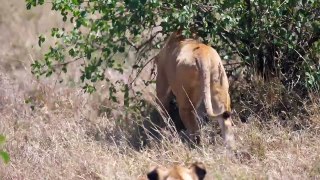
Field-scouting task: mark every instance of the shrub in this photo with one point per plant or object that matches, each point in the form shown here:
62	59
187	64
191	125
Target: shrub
273	38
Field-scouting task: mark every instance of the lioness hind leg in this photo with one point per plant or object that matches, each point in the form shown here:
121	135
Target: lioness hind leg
163	92
190	122
188	117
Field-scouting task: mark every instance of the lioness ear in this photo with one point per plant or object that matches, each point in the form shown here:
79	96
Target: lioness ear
153	175
158	173
199	169
226	114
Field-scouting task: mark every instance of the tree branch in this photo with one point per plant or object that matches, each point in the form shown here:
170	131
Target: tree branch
148	41
139	72
138	48
66	63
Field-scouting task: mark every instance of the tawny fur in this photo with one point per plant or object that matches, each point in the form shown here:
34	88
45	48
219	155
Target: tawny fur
194	73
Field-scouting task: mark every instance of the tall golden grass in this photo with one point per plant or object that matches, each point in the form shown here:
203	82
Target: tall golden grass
63	133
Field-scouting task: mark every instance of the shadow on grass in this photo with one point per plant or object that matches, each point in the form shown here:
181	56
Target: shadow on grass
151	129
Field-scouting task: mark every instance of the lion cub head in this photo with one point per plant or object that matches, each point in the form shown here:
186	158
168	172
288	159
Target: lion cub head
196	171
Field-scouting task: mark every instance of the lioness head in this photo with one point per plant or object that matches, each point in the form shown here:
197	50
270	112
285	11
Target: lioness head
196	171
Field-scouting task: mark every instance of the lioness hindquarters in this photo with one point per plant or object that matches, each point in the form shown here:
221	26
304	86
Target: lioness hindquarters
194	73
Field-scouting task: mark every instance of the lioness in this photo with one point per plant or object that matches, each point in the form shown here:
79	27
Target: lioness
196	171
194	73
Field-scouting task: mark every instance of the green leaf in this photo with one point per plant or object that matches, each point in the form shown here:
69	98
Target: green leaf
64	69
89	88
121	49
27	101
40	2
72	52
143	1
41	40
31	3
5	157
133	4
49	73
76	2
2	139
28	5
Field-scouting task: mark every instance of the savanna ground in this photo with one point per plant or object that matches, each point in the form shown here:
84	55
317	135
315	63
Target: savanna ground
56	131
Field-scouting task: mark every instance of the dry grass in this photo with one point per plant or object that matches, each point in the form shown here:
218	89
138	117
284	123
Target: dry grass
60	133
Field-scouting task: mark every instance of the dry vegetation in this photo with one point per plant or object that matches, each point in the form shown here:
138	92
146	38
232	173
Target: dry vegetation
62	134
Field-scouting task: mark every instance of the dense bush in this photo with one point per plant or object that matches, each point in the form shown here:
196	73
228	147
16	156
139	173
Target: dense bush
273	38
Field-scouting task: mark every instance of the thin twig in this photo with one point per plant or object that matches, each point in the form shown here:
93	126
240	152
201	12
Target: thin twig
130	84
66	63
148	41
230	64
138	48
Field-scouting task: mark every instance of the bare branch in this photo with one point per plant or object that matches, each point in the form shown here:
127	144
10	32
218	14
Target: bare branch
205	8
131	44
148	41
139	72
234	63
66	63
